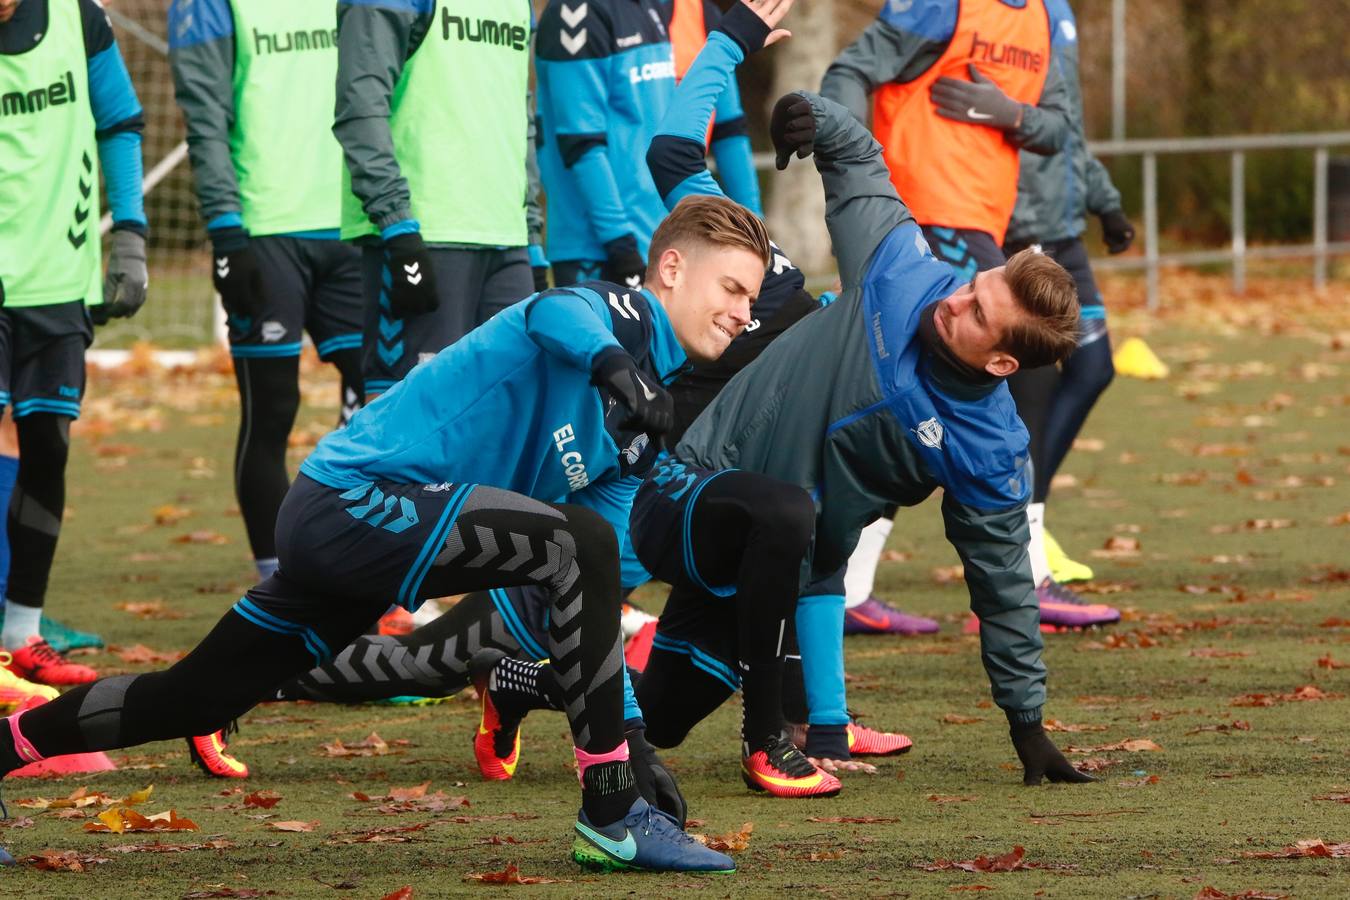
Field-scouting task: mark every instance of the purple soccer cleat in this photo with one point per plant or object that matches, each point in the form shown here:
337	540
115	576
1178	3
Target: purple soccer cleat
875	617
1062	608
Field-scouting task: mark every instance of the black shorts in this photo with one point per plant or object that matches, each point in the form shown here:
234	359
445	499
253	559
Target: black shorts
473	284
1073	256
965	249
42	358
661	523
308	285
575	271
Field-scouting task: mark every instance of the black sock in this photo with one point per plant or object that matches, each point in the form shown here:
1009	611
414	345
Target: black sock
37	505
608	791
795	709
519	685
269	398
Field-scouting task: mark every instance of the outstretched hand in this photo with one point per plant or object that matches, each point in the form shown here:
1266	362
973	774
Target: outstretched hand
752	23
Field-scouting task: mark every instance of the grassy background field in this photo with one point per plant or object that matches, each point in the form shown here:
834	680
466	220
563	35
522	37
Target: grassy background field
1224	487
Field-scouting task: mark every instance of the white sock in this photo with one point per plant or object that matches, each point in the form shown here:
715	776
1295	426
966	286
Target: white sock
1040	568
266	567
21	623
862	565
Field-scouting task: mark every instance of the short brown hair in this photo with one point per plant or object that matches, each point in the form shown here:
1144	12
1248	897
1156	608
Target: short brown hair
1041	287
710	221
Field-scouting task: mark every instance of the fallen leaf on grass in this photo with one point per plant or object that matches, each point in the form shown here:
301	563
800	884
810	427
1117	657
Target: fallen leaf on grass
149	609
157	847
63	860
496	817
509	875
1140	782
957	719
1216	653
1302	850
202	537
1326	662
824	855
393	834
948	574
1224	727
1307	692
412	799
1106	587
498	840
21	822
82	797
292	825
121	820
373	745
222	891
168	514
853	820
1213	893
1085	815
1118	547
731	842
1008	862
1335	798
950	798
262	799
1134	745
403	893
1057	725
140	654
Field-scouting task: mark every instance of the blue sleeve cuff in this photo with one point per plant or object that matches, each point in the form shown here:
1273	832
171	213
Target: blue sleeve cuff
225	220
403	226
537	257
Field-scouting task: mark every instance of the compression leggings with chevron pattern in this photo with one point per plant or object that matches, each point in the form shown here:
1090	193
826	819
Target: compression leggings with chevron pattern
337	576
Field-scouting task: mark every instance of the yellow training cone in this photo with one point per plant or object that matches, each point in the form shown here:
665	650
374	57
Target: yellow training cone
1134	359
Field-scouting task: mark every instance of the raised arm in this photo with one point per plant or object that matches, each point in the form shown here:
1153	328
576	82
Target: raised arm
899	46
375	40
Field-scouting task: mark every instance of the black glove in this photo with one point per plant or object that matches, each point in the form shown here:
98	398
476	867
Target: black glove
744	26
412	287
793	128
126	281
623	264
1117	231
650	408
978	101
655	782
235	273
1041	758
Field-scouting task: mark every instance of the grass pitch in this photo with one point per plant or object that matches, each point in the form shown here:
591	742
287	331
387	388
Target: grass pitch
1213	506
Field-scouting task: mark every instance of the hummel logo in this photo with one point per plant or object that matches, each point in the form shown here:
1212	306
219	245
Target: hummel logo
573	43
633	281
412	273
780	263
626	310
972	114
572	17
223	267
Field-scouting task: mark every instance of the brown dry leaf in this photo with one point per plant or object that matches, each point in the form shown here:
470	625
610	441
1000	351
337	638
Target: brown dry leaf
1134	745
403	893
853	820
1118	547
824	855
158	847
262	799
1342	519
969	887
1106	587
201	537
149	609
141	654
393	834
1213	893
82	797
895	556
1008	862
1089	445
373	745
63	860
1224	727
1326	662
1307	692
21	822
957	719
1140	782
1303	849
292	825
948	574
121	820
220	890
168	514
1217	653
1057	725
509	875
731	842
1267	524
1095	764
1335	798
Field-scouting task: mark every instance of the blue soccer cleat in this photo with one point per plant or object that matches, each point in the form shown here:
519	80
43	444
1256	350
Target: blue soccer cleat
645	840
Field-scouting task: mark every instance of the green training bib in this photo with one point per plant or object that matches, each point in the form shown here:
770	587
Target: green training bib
458	120
49	204
288	163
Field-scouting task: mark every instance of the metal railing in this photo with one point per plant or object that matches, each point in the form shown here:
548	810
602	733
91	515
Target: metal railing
1237	253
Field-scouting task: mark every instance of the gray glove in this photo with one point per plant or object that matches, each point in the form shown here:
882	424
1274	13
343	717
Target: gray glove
127	278
977	102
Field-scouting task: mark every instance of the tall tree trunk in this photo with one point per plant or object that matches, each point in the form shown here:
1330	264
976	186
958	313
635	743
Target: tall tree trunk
796	207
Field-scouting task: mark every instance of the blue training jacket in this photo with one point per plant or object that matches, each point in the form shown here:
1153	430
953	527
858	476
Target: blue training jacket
605	75
511	405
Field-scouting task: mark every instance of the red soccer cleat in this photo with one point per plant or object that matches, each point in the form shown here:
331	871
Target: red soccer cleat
781	770
212	755
496	749
864	741
38	662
